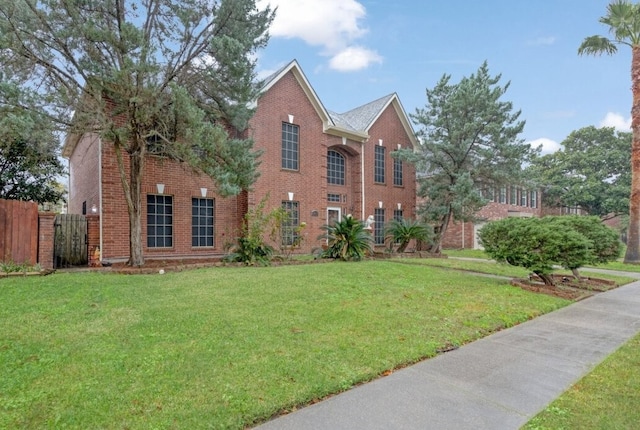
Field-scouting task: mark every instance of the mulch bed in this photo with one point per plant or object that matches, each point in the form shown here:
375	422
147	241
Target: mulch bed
567	287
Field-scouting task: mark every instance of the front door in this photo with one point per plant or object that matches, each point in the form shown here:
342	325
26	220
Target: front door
333	215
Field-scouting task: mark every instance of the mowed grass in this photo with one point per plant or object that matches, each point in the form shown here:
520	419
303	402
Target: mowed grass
607	398
478	253
228	347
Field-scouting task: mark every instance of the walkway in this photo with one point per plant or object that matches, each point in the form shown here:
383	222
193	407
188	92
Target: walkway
498	382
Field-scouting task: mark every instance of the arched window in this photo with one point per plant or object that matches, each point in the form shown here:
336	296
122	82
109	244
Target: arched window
335	167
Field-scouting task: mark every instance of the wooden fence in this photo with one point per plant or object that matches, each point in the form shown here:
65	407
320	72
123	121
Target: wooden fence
18	231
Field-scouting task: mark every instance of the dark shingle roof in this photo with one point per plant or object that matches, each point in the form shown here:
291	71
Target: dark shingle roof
361	118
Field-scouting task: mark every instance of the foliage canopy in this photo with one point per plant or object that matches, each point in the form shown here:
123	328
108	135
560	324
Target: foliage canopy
29	166
591	171
538	244
468	139
166	76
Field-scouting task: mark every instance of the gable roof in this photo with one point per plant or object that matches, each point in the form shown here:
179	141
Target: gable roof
354	124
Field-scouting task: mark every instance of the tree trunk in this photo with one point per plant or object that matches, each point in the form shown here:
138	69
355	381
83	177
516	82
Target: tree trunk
135	213
132	194
576	274
402	247
437	245
548	280
632	255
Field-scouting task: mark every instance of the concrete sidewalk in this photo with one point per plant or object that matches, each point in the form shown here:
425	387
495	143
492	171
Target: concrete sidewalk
498	382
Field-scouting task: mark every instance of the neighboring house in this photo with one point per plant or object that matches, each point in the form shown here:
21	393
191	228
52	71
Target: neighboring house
504	202
316	164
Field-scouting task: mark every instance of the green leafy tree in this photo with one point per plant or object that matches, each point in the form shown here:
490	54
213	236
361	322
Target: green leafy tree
29	166
591	171
535	244
170	76
623	21
604	242
468	139
347	240
403	231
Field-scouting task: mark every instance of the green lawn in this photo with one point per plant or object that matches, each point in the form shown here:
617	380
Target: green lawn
228	347
467	253
607	398
502	269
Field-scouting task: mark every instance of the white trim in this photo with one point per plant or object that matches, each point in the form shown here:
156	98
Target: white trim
362	179
100	205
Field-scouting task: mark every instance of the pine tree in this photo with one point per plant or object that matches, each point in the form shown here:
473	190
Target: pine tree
173	73
468	140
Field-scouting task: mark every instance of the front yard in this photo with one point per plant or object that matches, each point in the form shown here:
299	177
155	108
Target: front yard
229	347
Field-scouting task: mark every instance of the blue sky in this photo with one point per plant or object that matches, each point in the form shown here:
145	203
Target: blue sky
354	52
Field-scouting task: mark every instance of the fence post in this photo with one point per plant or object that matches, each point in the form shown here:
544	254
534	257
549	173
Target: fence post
46	233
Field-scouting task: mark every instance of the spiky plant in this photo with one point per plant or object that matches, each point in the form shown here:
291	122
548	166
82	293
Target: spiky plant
404	230
347	240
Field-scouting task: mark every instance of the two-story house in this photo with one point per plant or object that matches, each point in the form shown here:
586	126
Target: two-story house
317	164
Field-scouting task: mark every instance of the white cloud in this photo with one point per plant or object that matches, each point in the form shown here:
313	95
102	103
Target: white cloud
548	146
354	58
542	41
617	121
332	25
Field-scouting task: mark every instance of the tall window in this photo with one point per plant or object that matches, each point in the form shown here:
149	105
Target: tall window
487	193
378	227
290	141
397	172
513	195
523	197
291	223
335	168
503	194
397	214
159	221
378	171
533	201
202	222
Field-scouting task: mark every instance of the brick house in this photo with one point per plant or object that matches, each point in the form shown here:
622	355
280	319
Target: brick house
317	164
504	202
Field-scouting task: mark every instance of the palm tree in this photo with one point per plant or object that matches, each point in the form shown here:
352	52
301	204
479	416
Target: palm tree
402	231
623	19
347	240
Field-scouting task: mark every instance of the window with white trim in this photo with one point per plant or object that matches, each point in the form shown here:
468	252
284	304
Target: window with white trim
290	146
335	168
378	170
397	172
291	222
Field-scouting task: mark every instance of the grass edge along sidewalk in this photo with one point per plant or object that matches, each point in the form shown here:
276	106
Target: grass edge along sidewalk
226	348
607	397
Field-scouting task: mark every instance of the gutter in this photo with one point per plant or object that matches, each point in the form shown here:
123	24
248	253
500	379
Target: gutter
362	216
100	193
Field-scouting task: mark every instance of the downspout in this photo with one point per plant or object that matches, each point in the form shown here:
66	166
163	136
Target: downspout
100	192
362	216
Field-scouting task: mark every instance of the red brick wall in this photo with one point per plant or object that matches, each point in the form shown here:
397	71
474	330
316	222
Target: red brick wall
179	182
309	184
389	129
46	237
462	236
